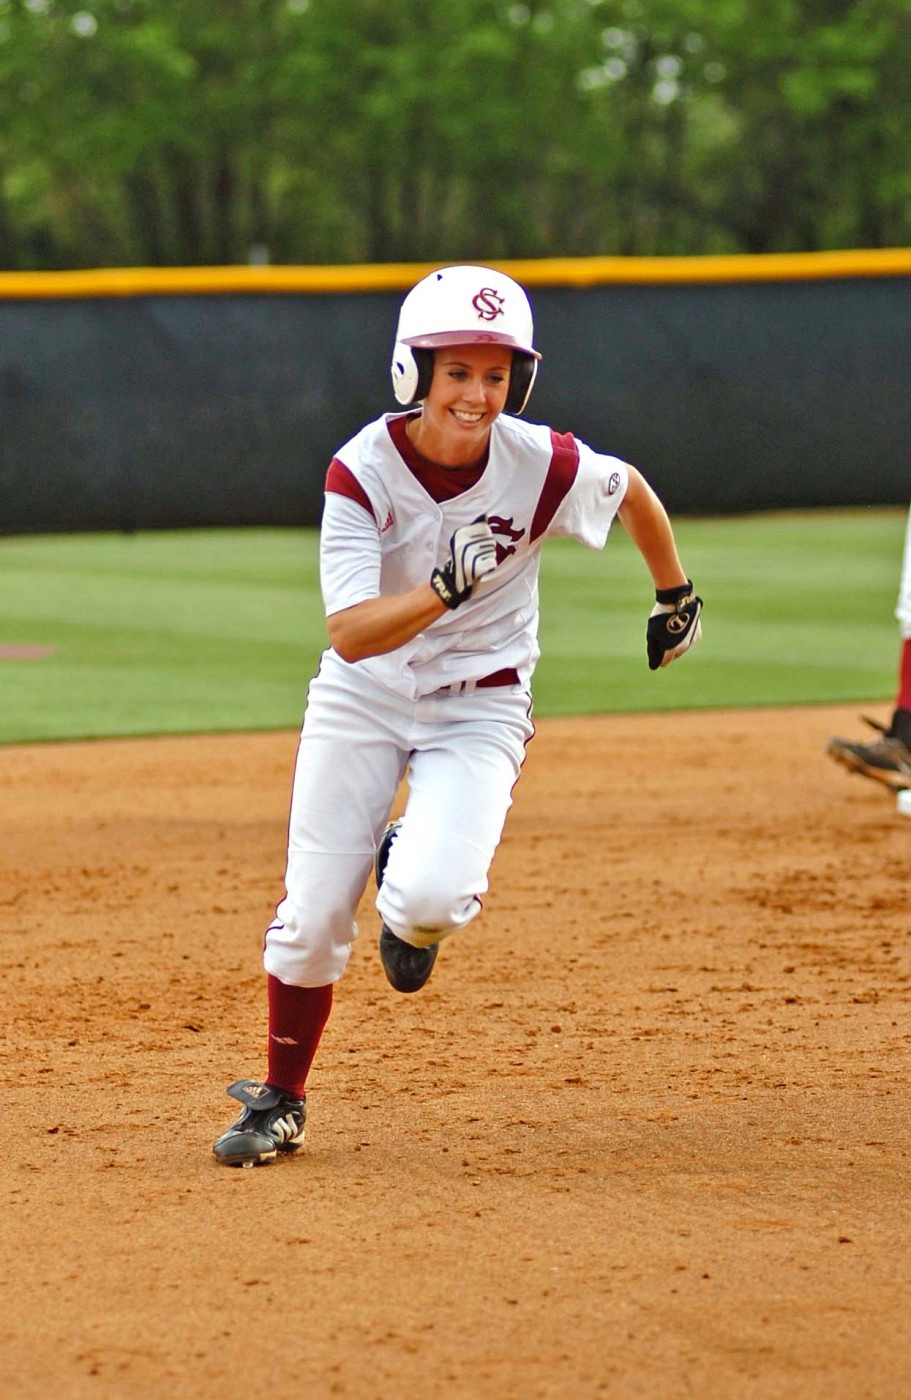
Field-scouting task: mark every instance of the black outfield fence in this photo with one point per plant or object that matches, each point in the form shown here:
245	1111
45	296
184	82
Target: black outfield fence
152	398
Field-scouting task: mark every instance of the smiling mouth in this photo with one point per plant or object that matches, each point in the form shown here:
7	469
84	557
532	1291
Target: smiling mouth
469	418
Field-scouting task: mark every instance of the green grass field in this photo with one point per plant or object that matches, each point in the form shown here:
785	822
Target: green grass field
205	631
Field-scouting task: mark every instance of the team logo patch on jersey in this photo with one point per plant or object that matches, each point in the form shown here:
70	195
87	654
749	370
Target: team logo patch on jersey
488	304
614	483
501	526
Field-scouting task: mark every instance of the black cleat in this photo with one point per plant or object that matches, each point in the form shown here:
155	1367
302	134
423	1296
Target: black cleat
407	968
887	760
272	1122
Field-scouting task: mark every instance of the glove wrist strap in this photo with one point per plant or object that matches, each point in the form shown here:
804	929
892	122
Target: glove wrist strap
445	591
676	597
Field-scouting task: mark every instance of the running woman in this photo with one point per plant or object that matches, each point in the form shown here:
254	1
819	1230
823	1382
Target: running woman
434	521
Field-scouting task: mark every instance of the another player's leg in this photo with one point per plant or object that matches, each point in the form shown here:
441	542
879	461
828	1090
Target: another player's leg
888	758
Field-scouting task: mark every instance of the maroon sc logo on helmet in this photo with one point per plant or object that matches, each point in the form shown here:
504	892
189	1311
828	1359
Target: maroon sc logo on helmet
488	304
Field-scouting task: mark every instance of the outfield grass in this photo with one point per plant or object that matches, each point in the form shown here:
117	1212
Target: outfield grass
202	631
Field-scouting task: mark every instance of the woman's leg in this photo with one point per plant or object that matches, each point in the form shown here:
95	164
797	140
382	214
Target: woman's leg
350	761
349	765
461	775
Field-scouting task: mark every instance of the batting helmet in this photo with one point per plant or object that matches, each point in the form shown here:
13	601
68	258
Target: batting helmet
463	306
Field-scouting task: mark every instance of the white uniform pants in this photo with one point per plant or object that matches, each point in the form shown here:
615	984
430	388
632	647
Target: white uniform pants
903	611
462	754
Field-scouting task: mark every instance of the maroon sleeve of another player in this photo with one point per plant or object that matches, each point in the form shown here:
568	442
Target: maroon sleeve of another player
564	464
344	483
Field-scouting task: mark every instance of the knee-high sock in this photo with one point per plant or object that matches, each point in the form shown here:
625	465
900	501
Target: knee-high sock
903	701
297	1017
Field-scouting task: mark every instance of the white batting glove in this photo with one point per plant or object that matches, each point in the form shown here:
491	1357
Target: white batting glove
472	554
673	625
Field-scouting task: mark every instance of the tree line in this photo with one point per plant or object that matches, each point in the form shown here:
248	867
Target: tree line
182	132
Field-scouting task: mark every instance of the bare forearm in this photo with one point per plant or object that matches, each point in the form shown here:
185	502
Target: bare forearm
379	625
645	520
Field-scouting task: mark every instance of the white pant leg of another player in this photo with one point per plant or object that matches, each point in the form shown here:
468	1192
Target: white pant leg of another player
903	610
468	752
351	759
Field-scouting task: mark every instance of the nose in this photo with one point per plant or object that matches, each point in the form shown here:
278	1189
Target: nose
473	390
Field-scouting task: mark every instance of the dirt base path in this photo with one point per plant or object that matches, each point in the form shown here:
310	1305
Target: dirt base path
645	1134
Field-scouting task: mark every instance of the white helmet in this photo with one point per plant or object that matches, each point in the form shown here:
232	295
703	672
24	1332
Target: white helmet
463	306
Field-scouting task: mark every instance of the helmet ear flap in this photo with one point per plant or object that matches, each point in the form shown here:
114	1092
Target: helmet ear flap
424	361
412	371
521	378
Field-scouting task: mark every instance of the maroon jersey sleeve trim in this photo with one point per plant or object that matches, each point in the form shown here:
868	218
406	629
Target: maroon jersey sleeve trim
343	482
564	464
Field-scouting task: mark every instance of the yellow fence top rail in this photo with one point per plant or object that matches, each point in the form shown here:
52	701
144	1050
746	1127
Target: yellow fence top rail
381	277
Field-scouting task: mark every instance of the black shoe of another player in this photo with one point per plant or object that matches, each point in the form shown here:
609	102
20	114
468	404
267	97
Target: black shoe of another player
272	1122
887	760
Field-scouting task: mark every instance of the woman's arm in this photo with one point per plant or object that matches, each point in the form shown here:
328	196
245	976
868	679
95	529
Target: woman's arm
674	624
645	520
379	625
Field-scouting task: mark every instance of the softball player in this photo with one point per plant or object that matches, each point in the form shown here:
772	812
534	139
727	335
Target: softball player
888	758
431	535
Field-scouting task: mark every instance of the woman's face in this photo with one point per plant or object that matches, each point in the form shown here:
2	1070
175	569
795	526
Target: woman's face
467	392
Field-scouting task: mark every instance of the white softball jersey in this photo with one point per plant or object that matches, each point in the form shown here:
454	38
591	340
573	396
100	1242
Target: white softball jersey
383	533
450	710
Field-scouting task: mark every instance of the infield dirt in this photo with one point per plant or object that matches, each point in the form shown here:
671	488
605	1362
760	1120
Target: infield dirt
644	1134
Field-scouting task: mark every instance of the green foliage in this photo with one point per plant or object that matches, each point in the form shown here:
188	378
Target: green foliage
221	630
209	131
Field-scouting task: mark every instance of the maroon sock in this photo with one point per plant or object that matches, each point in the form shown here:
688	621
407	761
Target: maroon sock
297	1016
903	701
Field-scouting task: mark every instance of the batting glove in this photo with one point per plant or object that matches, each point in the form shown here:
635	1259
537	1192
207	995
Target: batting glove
472	554
673	625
